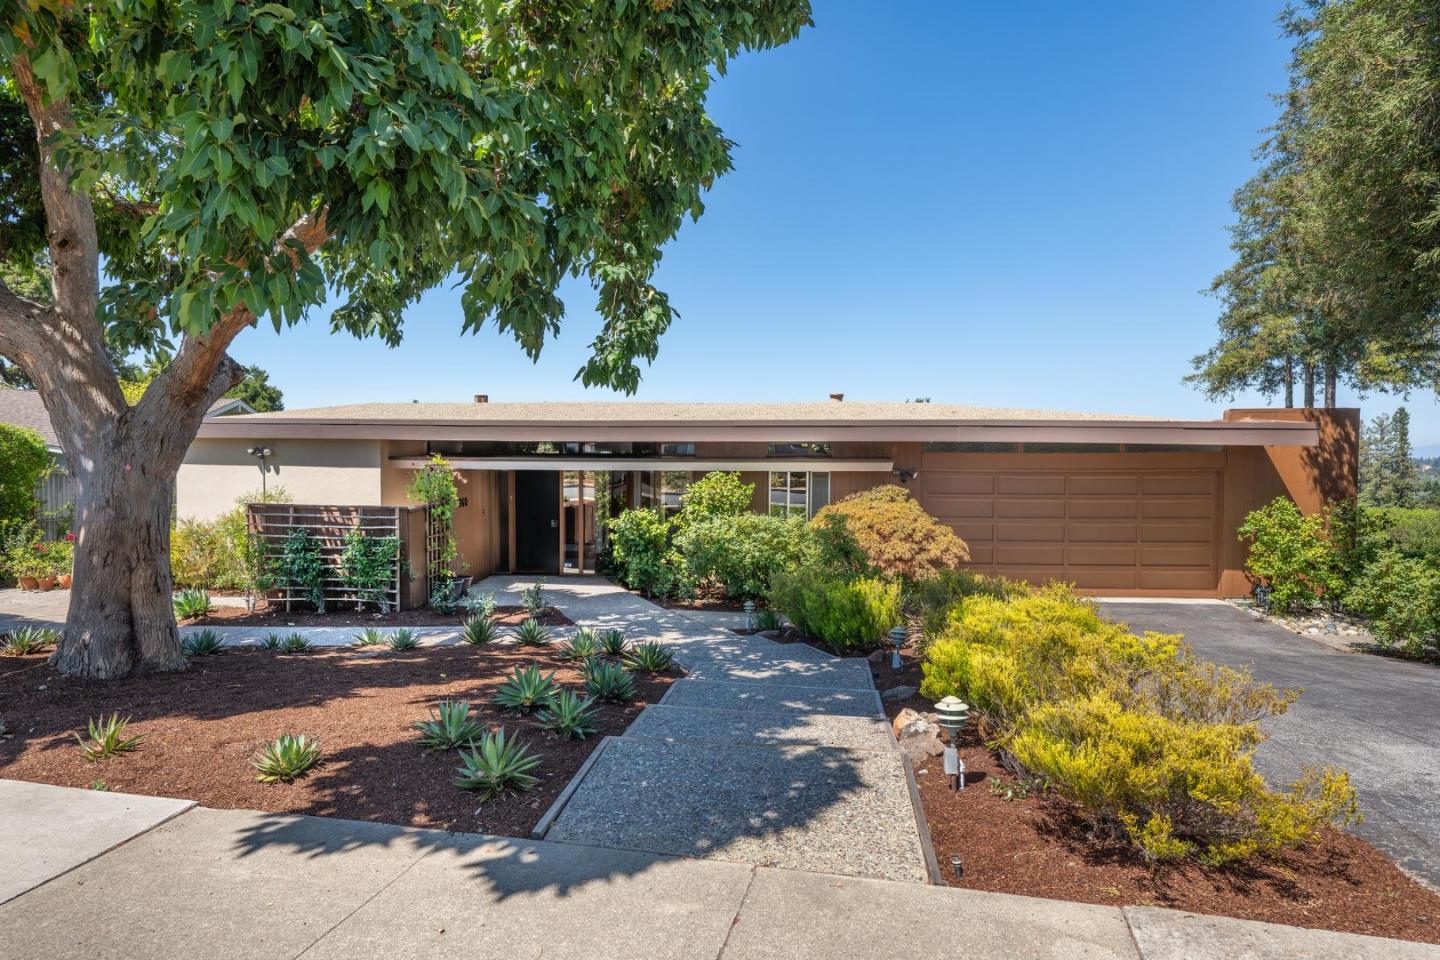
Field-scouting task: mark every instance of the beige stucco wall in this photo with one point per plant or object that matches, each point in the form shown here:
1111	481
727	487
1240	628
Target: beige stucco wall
216	472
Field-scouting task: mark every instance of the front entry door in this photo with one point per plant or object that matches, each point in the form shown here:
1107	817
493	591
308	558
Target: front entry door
537	521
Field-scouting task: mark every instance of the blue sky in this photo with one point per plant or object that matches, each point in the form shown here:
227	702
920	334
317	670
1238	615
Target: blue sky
1001	204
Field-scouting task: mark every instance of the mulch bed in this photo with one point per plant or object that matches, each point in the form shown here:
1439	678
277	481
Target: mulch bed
1032	846
202	726
274	615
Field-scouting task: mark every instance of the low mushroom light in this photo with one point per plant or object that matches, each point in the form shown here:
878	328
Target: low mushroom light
953	713
897	637
749	616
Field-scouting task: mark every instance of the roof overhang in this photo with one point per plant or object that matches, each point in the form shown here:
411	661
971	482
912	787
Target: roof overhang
1198	433
652	463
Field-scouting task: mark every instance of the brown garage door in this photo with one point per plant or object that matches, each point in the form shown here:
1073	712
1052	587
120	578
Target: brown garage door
1126	527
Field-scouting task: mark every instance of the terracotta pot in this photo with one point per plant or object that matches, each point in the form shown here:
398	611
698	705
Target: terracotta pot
65	581
29	583
47	583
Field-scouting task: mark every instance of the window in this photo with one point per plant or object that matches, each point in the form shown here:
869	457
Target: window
974	446
797	450
798	493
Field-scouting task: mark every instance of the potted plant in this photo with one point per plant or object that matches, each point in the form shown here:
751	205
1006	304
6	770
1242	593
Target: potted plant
62	554
434	486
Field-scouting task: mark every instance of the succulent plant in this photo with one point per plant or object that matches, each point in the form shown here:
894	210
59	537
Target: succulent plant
370	637
478	631
286	757
107	738
272	641
450	725
201	643
570	715
496	764
766	619
583	646
527	689
651	657
610	681
295	643
402	639
28	640
614	643
191	603
532	634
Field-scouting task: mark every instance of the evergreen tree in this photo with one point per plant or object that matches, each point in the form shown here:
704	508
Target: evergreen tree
1406	478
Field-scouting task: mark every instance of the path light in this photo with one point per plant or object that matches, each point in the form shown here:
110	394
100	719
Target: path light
749	616
897	637
953	712
956	866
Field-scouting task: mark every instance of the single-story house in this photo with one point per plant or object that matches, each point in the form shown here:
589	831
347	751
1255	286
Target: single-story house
1114	504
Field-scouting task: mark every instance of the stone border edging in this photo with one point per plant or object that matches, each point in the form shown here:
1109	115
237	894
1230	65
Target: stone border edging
543	825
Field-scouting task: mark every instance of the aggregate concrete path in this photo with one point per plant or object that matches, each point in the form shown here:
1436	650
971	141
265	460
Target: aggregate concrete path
46	831
662	721
1374	716
237	885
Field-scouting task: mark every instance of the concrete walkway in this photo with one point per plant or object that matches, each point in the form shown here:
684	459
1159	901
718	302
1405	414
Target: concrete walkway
236	885
766	753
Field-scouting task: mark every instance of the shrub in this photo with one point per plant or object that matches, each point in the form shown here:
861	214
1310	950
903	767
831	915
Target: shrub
402	639
302	567
1400	596
479	604
742	553
495	765
200	555
450	725
526	689
478	631
27	640
650	657
1414	532
1152	746
191	603
368	565
847	615
570	715
896	535
936	598
643	558
610	681
369	637
533	599
24	462
107	738
434	486
717	494
532	634
201	643
1291	554
766	619
285	758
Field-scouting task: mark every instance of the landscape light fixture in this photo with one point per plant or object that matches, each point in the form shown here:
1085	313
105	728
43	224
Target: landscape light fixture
905	476
897	637
260	453
953	713
957	866
749	616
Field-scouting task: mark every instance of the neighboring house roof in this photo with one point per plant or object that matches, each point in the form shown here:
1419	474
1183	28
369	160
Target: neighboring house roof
24	408
830	420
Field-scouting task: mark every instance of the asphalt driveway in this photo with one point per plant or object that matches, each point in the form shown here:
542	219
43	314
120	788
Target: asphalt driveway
1376	717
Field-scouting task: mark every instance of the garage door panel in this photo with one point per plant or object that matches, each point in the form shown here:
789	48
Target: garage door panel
1031	532
1199	483
1030	554
1177	508
1104	485
1098	555
974	532
1176	555
947	508
1104	578
1035	573
981	554
1120	508
1030	508
1177	578
1118	531
1177	531
1030	484
942	484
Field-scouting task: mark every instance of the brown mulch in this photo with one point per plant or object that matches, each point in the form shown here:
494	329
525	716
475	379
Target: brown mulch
274	615
202	726
1032	846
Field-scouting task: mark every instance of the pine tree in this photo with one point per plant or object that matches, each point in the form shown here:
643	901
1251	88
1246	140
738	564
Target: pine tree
1375	444
1406	482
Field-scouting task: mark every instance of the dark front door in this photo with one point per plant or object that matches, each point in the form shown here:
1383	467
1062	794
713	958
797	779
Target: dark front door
537	521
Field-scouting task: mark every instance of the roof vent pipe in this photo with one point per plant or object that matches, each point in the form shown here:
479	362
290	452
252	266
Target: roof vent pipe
482	398
837	397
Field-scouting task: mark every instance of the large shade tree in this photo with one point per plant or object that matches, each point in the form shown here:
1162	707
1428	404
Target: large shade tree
228	163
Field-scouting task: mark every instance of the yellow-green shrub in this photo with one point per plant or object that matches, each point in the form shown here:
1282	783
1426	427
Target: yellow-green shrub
897	536
1151	745
847	614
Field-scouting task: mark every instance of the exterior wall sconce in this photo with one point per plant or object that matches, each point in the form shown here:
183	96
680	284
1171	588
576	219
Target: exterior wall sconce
905	476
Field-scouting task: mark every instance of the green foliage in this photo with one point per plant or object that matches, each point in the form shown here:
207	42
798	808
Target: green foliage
273	641
936	598
302	567
1291	554
257	390
24	641
613	642
480	605
1412	532
896	535
201	643
640	549
24	462
402	639
766	619
370	637
531	634
651	657
478	631
222	554
496	765
847	615
191	603
610	681
369	566
742	552
1388	477
442	597
526	689
450	726
1152	746
1400	597
285	758
533	598
584	645
107	738
570	715
717	494
292	643
434	486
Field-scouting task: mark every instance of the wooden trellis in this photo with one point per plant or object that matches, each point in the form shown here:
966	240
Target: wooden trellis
328	526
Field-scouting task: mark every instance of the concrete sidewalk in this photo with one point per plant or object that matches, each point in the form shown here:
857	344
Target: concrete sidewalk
235	884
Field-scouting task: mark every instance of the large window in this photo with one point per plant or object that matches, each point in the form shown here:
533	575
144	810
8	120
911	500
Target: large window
798	493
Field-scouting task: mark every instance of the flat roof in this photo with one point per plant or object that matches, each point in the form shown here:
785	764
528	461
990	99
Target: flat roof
832	420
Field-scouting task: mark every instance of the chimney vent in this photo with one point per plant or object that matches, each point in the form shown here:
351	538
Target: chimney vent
837	397
482	398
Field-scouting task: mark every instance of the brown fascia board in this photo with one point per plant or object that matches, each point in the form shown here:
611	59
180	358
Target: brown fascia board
1200	433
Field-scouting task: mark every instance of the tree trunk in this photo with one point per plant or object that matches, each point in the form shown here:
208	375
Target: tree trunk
1289	383
1309	385
1330	384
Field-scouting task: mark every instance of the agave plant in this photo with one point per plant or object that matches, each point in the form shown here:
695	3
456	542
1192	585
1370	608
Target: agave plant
28	640
272	641
191	603
403	639
450	725
478	631
570	715
766	619
201	643
496	764
107	738
583	646
526	689
651	657
610	681
370	637
614	643
286	757
532	634
295	643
